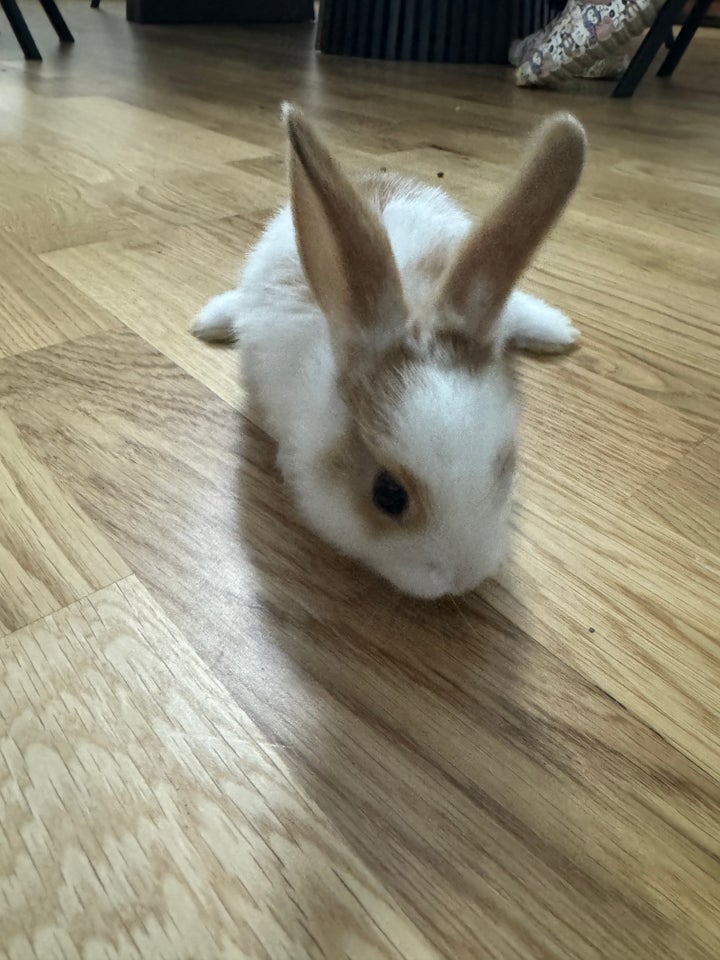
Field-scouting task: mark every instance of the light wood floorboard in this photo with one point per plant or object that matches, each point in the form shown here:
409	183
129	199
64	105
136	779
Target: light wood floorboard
218	739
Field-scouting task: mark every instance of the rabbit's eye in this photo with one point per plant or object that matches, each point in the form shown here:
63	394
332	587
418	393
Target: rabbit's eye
389	496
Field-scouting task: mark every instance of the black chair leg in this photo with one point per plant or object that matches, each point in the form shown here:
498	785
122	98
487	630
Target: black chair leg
56	19
20	29
648	49
689	28
94	4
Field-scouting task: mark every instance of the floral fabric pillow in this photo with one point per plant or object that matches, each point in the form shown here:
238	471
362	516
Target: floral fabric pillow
587	39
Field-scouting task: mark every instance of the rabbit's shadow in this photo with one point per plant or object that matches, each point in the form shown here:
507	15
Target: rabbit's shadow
402	720
353	639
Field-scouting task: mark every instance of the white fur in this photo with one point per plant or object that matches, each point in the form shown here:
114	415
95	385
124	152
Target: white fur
216	321
533	325
449	425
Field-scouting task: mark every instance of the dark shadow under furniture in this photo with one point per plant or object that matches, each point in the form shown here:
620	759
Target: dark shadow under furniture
22	31
661	33
220	11
216	11
451	31
480	31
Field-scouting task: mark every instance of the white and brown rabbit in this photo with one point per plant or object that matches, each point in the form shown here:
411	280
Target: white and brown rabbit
377	325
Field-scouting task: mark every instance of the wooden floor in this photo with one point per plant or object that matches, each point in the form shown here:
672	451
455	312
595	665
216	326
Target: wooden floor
218	740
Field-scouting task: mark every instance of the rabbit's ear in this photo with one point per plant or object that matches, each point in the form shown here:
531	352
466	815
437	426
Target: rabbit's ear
494	255
343	246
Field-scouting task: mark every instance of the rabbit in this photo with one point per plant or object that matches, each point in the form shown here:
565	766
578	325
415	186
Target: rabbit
378	326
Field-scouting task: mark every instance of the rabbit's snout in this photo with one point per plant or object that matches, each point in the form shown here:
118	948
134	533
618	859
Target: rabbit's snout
442	580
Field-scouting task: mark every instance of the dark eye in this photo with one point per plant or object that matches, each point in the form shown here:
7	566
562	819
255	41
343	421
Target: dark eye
389	496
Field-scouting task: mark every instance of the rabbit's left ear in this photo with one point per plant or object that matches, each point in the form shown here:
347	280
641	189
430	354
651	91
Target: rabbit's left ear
490	261
343	246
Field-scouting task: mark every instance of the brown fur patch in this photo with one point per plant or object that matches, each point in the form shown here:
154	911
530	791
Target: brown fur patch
454	349
382	187
434	264
352	464
371	385
343	247
369	379
495	253
370	382
506	462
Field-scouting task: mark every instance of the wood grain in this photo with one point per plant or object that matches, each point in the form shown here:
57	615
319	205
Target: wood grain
578	429
157	288
627	602
144	816
45	209
217	737
38	307
50	553
687	496
88	169
470	767
117	135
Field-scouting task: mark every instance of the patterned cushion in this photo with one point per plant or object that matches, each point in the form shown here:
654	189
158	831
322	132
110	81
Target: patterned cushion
587	39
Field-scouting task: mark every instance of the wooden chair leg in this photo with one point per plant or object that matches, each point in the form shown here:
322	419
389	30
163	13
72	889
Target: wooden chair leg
20	29
689	28
648	49
57	20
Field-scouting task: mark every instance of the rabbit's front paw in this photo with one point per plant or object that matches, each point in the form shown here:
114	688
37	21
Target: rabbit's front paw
216	320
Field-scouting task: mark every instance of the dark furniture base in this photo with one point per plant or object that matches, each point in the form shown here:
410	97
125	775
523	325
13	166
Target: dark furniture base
220	11
449	31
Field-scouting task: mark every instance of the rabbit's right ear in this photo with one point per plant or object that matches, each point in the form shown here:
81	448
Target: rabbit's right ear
343	246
